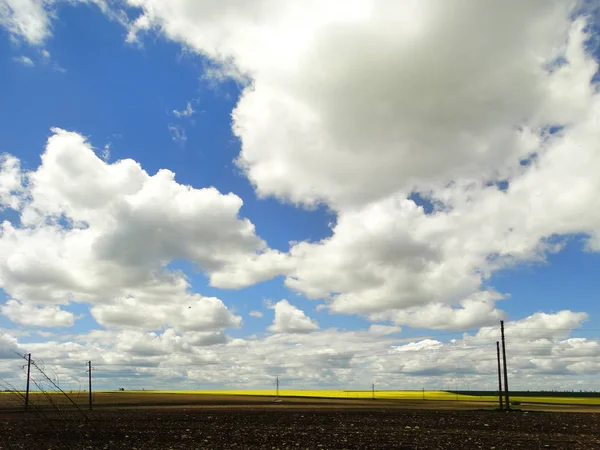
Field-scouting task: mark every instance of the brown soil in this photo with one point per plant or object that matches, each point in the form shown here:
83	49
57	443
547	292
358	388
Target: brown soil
257	423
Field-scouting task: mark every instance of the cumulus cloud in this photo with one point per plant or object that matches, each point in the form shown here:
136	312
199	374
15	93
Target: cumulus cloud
366	106
191	313
542	349
256	314
104	233
392	259
334	83
289	319
32	316
478	108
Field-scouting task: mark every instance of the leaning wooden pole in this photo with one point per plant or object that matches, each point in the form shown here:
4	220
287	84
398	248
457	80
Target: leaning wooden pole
506	394
499	376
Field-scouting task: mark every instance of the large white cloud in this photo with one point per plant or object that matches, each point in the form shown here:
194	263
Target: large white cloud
104	234
390	259
359	104
350	101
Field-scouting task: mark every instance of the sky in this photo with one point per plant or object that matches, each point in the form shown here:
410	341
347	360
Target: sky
200	194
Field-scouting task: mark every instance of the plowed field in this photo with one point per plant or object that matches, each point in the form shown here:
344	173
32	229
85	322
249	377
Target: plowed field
259	423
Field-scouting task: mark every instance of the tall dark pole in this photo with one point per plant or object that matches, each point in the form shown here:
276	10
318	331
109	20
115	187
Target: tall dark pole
90	382
373	390
277	387
506	395
499	376
28	374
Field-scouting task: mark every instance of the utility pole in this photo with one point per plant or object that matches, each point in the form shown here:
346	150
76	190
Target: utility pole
277	387
90	382
499	376
506	395
373	390
28	375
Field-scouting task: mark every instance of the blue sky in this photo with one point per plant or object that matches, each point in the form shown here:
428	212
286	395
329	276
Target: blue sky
331	165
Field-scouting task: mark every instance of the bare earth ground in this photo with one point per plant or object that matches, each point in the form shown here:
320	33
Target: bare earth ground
206	422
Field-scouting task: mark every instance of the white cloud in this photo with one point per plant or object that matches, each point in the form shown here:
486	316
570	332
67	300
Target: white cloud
191	312
256	314
32	316
547	359
106	153
477	310
357	105
360	104
251	268
418	346
289	319
142	23
104	234
335	83
27	19
187	112
9	346
31	20
11	182
26	61
384	330
538	326
391	260
178	134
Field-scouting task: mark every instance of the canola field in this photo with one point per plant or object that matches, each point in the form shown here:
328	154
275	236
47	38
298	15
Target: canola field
387	395
415	396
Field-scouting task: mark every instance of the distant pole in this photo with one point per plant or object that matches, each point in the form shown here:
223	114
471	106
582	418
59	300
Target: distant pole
499	376
423	393
90	382
506	395
373	390
277	387
28	375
